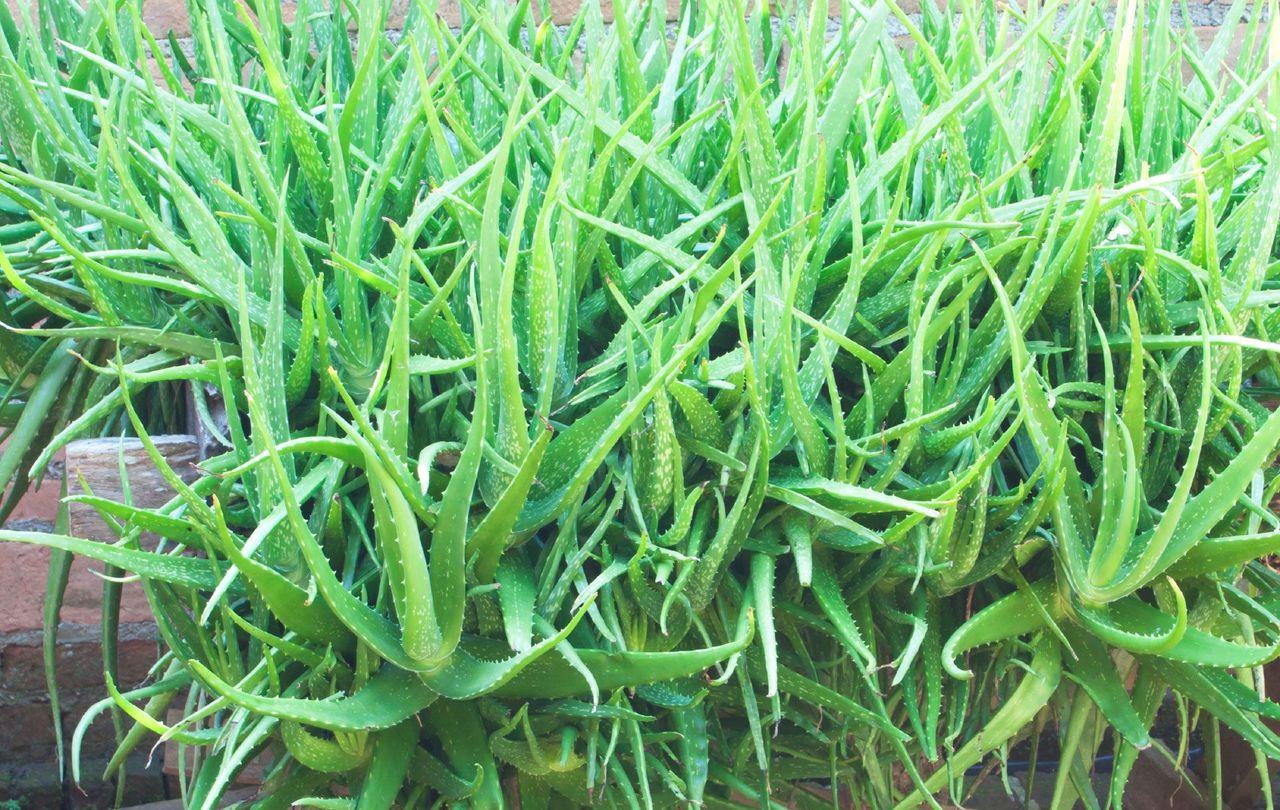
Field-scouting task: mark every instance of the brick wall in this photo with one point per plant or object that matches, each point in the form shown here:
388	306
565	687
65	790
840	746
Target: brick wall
28	762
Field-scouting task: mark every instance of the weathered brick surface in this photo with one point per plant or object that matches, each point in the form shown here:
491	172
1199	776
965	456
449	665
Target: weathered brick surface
27	741
35	786
28	772
79	666
23	569
28	730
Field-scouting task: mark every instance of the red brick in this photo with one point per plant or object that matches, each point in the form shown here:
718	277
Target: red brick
21	669
38	504
23	572
135	659
27	732
79	667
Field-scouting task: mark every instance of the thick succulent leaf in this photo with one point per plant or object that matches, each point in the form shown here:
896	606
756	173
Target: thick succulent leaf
190	572
1095	670
1010	616
1034	691
555	678
388	698
1133	625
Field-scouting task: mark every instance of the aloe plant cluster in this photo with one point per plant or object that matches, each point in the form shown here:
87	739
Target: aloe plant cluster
738	409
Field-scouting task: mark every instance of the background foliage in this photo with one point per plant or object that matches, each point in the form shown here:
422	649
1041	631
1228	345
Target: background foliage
660	414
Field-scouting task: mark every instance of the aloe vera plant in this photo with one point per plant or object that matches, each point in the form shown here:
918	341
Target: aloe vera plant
732	410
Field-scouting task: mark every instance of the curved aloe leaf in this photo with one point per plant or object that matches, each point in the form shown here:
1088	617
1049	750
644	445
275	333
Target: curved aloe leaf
1138	627
389	697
